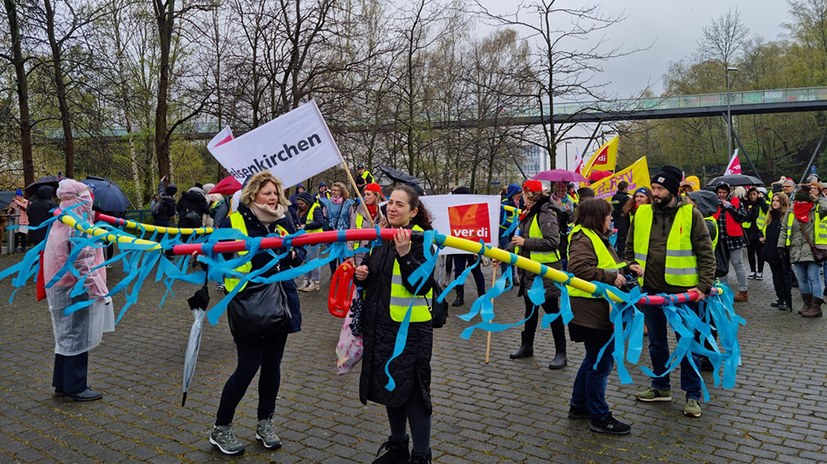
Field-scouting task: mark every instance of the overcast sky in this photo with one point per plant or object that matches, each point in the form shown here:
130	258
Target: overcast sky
672	27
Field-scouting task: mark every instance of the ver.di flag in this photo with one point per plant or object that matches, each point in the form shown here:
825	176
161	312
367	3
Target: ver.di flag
472	217
636	175
293	147
604	159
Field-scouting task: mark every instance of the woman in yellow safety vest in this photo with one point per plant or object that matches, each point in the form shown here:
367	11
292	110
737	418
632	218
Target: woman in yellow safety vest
592	258
262	211
806	224
779	264
389	298
757	209
537	238
311	219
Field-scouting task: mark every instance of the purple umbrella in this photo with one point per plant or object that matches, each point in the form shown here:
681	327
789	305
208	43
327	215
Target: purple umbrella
560	175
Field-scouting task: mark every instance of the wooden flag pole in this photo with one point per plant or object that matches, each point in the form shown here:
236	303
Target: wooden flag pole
356	189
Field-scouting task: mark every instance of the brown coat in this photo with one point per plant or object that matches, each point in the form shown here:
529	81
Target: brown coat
547	220
590	312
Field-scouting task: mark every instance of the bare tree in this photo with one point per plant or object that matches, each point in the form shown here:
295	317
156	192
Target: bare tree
723	39
562	69
18	60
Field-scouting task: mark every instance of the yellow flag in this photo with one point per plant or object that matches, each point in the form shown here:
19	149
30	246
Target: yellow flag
604	159
637	176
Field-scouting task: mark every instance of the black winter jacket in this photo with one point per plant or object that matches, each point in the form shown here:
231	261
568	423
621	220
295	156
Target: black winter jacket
412	369
38	211
256	229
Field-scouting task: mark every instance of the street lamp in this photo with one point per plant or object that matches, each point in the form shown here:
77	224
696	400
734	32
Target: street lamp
729	111
567	143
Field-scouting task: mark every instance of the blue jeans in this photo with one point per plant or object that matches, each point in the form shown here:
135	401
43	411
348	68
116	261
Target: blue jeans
809	280
659	352
313	252
589	392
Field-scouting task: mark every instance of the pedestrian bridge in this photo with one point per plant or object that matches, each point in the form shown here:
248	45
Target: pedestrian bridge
682	106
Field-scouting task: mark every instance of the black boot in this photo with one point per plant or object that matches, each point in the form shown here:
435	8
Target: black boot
421	458
396	452
460	297
526	349
560	361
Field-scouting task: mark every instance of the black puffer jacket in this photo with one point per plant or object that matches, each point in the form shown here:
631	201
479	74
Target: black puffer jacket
38	210
412	369
256	229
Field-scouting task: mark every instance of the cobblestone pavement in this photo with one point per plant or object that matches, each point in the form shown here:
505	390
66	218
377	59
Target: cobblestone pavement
505	411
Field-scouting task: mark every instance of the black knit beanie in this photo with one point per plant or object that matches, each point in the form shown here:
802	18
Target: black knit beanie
670	178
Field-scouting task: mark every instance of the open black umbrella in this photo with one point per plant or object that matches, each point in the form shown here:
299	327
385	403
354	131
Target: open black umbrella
51	181
735	180
108	195
399	176
198	304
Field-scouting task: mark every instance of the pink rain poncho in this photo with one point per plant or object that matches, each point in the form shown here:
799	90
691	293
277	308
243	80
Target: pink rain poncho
82	330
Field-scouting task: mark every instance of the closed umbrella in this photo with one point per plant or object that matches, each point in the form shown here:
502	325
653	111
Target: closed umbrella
198	304
108	195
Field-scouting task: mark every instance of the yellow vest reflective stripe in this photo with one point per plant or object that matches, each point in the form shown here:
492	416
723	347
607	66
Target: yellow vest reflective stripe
604	258
402	299
534	231
309	218
714	222
681	266
237	222
819	229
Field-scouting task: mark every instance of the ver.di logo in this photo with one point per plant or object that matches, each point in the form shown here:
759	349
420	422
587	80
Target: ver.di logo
470	221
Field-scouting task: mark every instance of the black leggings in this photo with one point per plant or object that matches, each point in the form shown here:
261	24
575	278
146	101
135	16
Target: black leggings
416	414
755	251
558	330
265	352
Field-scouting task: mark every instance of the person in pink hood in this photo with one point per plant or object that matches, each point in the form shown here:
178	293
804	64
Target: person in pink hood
82	330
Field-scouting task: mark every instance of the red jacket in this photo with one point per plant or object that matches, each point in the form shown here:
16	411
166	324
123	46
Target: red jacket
733	227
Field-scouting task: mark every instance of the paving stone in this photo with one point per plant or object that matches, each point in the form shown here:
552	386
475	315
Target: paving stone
503	412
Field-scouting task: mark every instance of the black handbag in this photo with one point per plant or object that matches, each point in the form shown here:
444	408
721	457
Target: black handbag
259	309
439	310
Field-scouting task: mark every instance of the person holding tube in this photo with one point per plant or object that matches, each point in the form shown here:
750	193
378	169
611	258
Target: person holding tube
592	258
538	238
669	242
390	299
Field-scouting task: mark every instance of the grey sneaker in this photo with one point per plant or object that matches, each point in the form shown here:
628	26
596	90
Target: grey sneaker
224	439
653	394
265	433
692	408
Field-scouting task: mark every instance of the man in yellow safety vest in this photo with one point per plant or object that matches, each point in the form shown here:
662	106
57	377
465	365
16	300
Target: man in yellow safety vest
669	241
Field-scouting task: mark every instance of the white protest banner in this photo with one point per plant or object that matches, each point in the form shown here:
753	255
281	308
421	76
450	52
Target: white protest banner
472	217
293	147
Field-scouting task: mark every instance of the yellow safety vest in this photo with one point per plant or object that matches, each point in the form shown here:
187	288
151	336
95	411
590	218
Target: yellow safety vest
508	216
309	218
402	299
365	175
681	266
539	256
604	258
760	221
714	222
237	222
819	228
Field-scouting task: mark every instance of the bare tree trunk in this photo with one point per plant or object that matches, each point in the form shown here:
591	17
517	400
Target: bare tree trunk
22	91
164	16
60	88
